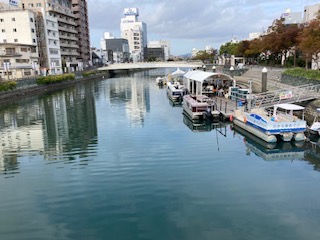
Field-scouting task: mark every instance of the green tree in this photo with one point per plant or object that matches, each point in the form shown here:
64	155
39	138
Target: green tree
229	48
204	56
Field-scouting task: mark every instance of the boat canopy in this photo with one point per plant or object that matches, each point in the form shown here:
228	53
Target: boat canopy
178	72
201	76
289	106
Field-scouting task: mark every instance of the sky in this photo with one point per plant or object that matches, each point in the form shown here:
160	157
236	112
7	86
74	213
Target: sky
189	24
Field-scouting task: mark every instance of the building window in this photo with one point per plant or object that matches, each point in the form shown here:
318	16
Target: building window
38	4
10	51
27	72
31	19
1	20
23	49
14	30
4	40
32	30
34	40
33	49
3	30
15	40
30	5
13	19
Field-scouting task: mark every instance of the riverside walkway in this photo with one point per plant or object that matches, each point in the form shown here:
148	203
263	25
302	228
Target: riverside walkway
151	65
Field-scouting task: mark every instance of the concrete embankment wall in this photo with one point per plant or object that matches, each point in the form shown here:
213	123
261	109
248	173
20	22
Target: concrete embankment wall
29	87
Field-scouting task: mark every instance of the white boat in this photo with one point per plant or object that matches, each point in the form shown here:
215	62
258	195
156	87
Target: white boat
196	105
314	129
161	81
281	123
175	91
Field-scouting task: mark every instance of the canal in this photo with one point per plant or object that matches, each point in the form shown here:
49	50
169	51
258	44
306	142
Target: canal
115	159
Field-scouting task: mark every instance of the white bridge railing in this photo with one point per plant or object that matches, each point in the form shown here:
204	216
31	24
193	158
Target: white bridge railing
150	65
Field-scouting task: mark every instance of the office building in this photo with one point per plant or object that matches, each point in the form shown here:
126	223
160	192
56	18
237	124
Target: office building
135	32
165	45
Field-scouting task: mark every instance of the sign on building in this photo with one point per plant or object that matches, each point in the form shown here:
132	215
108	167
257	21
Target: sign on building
13	3
131	11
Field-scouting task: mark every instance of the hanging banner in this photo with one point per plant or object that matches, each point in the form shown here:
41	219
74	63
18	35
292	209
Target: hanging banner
285	95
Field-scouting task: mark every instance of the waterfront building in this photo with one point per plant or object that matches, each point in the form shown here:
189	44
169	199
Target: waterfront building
155	54
18	43
80	9
119	48
311	12
291	17
106	35
67	26
162	44
49	44
135	32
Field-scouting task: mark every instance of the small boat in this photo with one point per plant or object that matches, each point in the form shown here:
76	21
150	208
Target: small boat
314	129
195	106
161	81
175	91
282	123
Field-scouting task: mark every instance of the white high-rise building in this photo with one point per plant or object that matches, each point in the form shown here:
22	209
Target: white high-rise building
310	12
135	32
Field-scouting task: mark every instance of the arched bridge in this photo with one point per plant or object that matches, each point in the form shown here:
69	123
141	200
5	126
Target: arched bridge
151	65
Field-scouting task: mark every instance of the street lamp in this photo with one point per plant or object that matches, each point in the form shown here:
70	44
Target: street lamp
204	67
231	71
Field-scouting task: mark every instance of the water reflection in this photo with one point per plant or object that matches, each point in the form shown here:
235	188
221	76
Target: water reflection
58	126
271	151
133	92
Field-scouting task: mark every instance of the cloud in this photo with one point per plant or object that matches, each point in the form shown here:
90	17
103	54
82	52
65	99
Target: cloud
188	20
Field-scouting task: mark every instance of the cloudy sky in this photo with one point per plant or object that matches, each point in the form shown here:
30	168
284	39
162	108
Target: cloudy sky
189	24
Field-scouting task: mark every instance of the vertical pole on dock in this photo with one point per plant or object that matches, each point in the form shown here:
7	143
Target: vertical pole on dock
264	79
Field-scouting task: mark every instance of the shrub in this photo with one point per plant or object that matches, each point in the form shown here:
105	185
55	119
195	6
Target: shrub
89	73
7	85
300	72
55	78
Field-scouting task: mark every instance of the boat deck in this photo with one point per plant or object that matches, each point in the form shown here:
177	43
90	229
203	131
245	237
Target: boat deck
225	106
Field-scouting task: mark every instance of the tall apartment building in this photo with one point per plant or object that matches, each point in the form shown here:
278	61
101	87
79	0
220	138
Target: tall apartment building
18	43
135	32
67	27
80	9
311	12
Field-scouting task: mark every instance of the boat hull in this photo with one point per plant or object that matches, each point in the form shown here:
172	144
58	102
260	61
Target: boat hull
265	137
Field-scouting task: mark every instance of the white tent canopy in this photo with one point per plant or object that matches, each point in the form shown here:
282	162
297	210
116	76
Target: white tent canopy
201	76
196	78
178	72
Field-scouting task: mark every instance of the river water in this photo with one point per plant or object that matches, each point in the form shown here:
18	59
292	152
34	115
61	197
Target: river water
115	159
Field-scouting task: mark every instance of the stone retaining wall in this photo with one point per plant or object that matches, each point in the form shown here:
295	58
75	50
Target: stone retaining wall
297	81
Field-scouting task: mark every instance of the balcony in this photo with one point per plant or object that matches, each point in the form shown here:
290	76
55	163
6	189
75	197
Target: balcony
68	29
67	21
11	54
